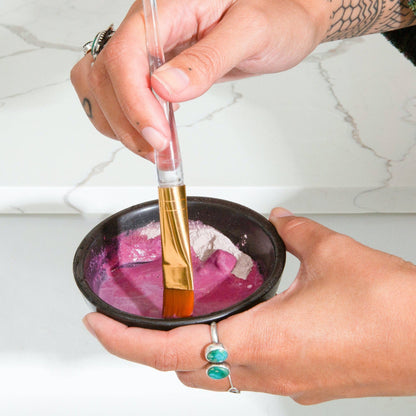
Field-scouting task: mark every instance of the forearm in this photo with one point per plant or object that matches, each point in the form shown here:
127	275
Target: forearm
349	18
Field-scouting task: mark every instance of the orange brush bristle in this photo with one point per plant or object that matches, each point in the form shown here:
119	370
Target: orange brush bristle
177	303
178	294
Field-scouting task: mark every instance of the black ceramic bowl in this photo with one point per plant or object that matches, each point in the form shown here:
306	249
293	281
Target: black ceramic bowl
263	245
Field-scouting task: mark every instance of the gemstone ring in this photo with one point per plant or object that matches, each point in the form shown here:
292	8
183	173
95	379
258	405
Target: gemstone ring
96	45
216	354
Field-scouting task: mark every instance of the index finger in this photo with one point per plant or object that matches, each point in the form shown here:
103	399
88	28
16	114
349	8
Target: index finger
180	349
126	63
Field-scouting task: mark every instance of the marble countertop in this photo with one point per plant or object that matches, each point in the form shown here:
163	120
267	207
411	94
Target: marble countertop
336	134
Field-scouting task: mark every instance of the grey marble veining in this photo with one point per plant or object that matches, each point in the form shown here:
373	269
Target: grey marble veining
334	134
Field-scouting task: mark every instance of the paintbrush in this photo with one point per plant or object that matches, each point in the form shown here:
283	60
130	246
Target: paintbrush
178	294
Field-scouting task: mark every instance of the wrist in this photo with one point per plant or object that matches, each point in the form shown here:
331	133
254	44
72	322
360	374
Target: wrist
320	15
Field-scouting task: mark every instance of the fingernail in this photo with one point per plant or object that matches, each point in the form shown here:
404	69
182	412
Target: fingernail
173	79
88	326
156	139
280	212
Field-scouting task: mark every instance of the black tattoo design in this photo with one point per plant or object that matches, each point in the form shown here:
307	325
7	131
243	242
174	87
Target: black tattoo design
87	107
396	13
352	18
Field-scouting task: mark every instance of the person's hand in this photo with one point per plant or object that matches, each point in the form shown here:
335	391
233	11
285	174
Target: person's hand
346	327
207	41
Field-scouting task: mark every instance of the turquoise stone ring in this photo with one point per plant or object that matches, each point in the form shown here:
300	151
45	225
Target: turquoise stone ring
218	371
216	354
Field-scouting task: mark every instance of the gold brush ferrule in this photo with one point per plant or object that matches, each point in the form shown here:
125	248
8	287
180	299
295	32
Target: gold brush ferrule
174	231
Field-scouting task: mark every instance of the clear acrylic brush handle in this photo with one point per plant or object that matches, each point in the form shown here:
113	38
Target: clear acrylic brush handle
168	161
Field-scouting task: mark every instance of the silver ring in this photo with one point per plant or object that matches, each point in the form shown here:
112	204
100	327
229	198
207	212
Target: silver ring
232	389
96	45
86	48
216	354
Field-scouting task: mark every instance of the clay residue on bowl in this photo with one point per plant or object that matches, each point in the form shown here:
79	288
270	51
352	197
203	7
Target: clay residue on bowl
127	272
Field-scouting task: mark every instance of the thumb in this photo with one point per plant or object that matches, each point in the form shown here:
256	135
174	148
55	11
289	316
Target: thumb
192	72
301	235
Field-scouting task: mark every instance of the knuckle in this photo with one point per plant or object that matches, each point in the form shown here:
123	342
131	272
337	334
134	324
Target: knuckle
327	243
97	78
75	75
98	119
330	246
257	18
295	224
207	59
167	359
125	137
105	130
114	52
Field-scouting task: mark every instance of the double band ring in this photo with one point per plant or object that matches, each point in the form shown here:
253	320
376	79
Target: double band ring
96	45
216	354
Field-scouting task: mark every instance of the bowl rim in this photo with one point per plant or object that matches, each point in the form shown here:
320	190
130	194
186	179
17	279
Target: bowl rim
261	294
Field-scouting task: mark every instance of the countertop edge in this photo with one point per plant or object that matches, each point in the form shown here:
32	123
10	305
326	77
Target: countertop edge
106	200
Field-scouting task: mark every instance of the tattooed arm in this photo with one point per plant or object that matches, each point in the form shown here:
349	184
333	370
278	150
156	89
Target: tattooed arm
350	18
393	18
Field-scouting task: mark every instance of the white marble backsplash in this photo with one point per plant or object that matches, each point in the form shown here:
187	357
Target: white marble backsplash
336	134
